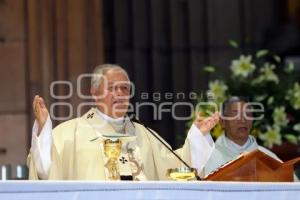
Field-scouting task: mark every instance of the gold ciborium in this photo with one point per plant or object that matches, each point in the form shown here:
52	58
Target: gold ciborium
112	149
182	174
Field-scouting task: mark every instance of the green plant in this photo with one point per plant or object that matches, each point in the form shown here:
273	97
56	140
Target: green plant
264	78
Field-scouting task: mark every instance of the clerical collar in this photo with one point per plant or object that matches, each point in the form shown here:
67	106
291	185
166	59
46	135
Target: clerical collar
237	146
117	121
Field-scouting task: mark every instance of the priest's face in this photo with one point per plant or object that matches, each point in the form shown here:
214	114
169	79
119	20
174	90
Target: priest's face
237	122
112	97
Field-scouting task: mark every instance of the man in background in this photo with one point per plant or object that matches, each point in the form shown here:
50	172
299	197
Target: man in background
236	121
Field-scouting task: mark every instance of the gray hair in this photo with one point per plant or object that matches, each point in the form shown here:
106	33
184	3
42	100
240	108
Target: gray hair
101	70
233	99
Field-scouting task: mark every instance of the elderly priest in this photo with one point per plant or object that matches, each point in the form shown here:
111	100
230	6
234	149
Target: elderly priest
76	149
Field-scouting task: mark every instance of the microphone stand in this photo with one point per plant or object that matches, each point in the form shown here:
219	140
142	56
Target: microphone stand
165	145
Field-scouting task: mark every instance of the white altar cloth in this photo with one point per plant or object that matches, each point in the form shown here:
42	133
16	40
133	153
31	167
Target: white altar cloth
79	190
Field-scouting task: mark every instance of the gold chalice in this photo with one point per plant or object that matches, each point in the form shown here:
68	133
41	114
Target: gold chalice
112	149
182	174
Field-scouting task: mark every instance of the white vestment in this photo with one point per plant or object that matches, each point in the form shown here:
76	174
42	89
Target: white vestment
76	150
226	150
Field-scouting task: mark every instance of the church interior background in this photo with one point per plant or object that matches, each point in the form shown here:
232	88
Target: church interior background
164	45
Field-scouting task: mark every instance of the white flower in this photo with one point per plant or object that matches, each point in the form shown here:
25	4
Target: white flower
289	68
271	136
279	116
242	67
218	89
293	95
296	127
267	74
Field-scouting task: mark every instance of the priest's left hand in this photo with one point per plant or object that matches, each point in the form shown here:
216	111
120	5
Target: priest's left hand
206	124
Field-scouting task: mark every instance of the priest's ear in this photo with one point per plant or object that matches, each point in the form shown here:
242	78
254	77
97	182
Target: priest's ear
94	93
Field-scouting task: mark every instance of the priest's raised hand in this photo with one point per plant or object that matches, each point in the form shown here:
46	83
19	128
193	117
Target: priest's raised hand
40	112
206	124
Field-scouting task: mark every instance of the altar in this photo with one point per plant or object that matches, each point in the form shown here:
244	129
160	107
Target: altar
80	190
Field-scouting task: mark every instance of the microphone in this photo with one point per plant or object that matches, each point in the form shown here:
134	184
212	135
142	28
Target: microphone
163	143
